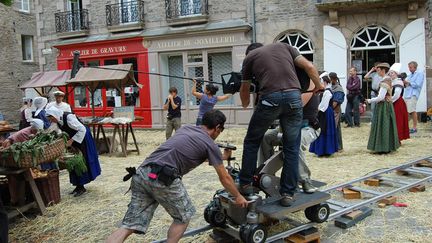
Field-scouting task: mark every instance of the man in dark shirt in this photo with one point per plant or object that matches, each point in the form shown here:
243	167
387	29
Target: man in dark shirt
188	148
273	66
173	105
353	99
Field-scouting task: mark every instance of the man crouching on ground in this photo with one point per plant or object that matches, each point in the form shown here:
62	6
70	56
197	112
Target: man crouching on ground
158	179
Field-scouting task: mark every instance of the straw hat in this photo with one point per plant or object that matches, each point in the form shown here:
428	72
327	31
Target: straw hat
59	93
384	65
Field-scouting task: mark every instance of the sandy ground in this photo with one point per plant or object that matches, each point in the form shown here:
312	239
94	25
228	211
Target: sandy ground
93	216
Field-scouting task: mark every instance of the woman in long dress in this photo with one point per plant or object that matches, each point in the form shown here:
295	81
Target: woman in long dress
399	104
383	137
338	98
79	137
326	143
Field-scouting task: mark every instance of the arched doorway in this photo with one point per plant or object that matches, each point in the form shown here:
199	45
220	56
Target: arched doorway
371	44
299	40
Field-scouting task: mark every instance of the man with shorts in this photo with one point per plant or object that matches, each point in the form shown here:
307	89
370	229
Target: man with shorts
158	179
413	85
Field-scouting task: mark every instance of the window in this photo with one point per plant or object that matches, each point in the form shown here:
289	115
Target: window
175	67
131	93
27	47
373	37
218	64
199	64
24	5
300	41
190	7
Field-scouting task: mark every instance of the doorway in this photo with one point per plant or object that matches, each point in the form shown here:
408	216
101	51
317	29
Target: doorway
364	60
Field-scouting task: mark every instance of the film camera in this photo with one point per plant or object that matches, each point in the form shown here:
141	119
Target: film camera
231	82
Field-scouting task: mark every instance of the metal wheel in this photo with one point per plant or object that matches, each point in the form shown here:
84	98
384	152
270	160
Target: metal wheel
253	233
214	216
318	213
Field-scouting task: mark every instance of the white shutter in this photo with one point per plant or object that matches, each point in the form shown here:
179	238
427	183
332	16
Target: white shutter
412	47
335	55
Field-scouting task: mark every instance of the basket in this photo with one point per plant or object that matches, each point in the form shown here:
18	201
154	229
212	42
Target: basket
49	187
50	153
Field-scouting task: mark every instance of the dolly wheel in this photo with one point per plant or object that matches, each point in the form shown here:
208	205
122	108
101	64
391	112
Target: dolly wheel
253	233
214	217
318	213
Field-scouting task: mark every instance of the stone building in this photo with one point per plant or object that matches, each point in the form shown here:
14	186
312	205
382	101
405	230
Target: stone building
202	38
192	38
18	51
336	35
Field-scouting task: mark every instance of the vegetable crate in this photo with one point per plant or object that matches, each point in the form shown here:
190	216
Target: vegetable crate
21	159
49	187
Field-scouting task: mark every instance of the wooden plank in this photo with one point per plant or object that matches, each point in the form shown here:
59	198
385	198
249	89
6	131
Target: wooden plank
35	192
346	223
372	182
17	211
351	194
388	200
418	188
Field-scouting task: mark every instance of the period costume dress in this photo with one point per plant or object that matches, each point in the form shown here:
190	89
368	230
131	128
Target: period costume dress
383	137
83	140
400	109
338	97
326	143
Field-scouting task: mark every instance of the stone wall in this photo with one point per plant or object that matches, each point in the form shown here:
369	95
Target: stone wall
13	70
274	17
155	17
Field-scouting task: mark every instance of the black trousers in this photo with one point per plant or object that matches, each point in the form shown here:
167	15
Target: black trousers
3	224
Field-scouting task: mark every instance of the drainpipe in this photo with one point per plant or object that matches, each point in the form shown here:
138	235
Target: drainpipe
253	22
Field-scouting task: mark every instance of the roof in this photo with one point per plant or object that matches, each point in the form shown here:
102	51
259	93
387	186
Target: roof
109	76
47	79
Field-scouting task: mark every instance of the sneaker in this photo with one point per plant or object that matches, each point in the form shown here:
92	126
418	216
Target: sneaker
308	187
287	200
247	189
413	130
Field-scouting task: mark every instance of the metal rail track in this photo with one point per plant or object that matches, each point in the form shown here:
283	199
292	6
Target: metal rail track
340	208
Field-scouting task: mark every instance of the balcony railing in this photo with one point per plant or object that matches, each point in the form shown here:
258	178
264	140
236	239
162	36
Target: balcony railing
125	13
72	21
181	9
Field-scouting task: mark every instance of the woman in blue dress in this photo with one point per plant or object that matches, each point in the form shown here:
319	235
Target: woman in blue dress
208	99
79	137
327	142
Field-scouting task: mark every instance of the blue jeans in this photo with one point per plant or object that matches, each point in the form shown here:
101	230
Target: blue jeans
352	108
287	107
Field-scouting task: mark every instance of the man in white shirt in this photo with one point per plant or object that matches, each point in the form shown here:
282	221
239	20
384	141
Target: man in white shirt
58	103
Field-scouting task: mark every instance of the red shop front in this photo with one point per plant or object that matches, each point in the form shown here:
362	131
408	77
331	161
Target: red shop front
110	52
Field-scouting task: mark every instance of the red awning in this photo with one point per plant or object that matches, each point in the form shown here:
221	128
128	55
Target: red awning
47	79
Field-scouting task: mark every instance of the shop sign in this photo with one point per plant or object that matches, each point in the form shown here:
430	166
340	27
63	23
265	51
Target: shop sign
103	48
198	42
